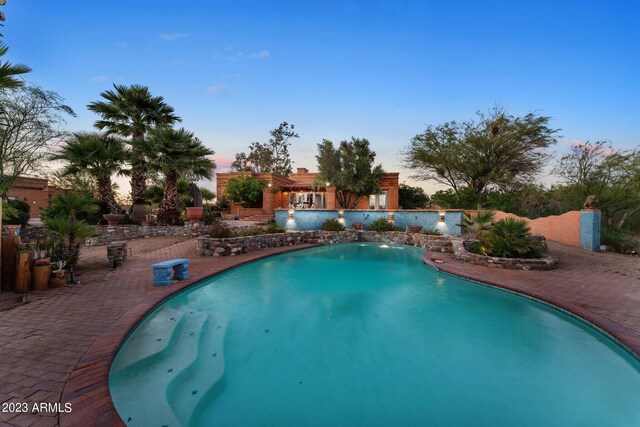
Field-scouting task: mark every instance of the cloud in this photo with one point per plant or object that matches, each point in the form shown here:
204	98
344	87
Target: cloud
241	55
121	44
223	162
173	36
261	54
233	76
101	78
218	90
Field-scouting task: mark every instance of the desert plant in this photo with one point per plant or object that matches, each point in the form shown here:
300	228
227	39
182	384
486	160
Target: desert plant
64	234
72	205
98	155
15	212
618	241
332	225
219	231
173	153
476	225
509	238
272	228
381	224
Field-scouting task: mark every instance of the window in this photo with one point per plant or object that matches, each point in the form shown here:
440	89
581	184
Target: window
378	201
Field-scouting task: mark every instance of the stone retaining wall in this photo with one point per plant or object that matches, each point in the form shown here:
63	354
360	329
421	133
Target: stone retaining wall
236	245
129	232
461	253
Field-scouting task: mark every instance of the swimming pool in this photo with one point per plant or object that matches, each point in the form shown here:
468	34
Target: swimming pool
366	335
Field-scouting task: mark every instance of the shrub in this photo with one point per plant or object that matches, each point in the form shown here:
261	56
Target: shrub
273	228
219	231
477	224
253	231
245	190
618	241
508	238
17	212
432	233
210	214
332	225
381	224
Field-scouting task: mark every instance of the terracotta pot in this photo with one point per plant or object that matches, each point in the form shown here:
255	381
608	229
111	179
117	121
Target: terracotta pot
57	282
195	214
113	219
358	226
40	277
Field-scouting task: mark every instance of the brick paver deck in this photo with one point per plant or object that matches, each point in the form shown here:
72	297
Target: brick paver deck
58	348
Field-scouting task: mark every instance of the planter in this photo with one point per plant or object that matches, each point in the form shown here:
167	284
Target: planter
148	218
358	226
113	219
57	282
195	214
9	244
414	228
40	277
22	282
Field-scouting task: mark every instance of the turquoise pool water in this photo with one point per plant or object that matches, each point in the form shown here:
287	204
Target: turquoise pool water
366	335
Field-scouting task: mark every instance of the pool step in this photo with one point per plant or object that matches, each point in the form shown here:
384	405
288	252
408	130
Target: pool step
154	374
157	338
201	379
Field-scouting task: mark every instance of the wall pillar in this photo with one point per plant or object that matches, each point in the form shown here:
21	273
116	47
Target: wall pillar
331	198
268	202
590	229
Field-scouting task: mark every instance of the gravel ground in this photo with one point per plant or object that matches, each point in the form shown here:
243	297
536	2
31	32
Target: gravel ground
93	259
570	256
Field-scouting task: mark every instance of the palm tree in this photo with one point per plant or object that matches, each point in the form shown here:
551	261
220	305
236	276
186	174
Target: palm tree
174	153
99	155
8	71
131	111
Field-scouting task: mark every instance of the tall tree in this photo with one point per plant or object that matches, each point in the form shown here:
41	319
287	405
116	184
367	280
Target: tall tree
99	155
272	156
350	169
495	151
174	153
131	111
9	71
613	176
31	121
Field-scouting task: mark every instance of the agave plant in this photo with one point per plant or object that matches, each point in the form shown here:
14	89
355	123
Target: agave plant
510	238
478	224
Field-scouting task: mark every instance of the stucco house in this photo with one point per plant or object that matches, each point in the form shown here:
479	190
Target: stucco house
298	190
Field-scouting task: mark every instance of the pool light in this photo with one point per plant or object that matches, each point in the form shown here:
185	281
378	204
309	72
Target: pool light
441	217
290	213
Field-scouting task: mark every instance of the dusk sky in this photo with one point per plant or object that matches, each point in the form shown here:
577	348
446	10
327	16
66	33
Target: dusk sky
380	70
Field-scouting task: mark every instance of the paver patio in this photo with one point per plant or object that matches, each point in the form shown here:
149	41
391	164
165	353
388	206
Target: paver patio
58	348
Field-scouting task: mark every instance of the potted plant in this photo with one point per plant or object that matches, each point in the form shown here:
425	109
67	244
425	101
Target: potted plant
41	274
196	210
59	278
113	219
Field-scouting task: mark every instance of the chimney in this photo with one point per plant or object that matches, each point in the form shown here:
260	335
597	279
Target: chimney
303	170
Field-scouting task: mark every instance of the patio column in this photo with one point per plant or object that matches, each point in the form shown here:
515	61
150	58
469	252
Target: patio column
590	229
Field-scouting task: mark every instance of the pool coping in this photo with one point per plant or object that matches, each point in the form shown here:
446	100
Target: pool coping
87	386
628	340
